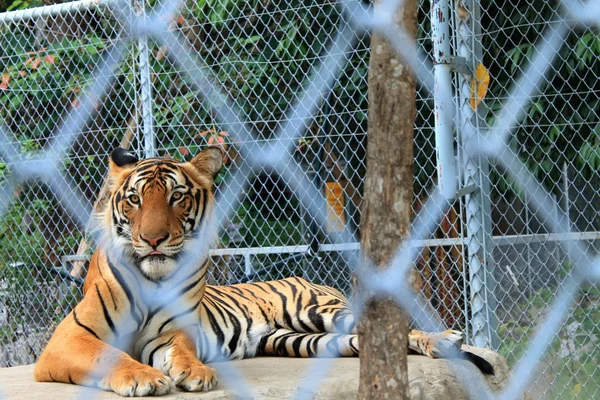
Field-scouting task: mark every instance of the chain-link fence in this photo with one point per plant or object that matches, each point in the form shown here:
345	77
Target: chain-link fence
491	267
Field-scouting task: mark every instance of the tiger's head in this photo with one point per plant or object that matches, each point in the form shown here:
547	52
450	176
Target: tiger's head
156	205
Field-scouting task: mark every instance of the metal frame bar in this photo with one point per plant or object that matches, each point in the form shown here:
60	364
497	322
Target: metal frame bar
442	94
145	81
355	246
54	9
477	205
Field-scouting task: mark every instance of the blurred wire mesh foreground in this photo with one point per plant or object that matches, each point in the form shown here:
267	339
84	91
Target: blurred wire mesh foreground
260	52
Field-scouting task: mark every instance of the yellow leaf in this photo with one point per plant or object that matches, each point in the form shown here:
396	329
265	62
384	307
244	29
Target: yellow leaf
479	85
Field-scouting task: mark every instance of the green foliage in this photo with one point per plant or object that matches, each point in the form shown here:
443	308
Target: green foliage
10	5
259	55
561	123
568	374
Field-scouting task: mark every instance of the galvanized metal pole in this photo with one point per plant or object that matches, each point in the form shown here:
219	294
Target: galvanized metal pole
54	10
443	102
476	175
146	87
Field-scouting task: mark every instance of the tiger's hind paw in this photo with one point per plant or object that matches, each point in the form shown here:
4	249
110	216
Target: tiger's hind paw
445	344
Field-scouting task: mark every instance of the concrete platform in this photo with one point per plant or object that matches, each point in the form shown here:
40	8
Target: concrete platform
281	378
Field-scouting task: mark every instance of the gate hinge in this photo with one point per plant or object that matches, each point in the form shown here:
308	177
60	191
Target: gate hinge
459	65
463	191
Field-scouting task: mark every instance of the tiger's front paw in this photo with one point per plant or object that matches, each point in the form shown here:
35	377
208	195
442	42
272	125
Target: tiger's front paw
445	344
191	375
137	379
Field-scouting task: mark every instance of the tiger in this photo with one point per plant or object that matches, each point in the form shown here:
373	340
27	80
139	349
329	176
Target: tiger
128	337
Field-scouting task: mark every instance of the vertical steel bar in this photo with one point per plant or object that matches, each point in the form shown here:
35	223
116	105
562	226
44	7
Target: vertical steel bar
442	94
476	172
146	86
248	270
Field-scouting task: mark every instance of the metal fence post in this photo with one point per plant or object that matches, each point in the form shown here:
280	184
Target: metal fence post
475	175
146	87
442	58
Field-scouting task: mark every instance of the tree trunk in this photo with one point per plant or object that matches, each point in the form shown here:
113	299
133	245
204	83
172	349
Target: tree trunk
386	212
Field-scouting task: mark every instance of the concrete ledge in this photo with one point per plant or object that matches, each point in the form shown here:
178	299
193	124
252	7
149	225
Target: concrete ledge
283	378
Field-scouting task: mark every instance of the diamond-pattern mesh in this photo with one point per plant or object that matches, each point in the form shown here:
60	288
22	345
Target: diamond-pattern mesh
261	53
555	140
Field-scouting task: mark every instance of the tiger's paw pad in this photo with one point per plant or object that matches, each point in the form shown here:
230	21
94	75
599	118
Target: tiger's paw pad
140	382
447	344
193	376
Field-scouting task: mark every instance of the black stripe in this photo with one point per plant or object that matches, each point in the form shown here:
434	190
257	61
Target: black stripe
259	286
299	307
296	344
216	328
107	317
211	299
300	281
90	330
237	331
353	347
204	202
112	295
316	344
292	286
119	277
262	311
314	316
151	356
181	314
71	380
174	297
310	345
280	343
286	315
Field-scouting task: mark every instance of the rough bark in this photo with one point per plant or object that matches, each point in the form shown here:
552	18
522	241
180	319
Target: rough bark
386	212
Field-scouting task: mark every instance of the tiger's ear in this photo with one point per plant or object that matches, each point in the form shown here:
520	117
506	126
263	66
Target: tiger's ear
209	161
120	160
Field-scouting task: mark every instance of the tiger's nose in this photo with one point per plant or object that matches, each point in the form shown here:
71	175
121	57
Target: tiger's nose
154	241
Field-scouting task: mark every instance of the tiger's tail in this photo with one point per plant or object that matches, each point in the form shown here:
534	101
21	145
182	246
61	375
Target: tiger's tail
484	366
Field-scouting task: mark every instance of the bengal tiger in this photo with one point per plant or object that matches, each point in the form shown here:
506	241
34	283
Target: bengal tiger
117	339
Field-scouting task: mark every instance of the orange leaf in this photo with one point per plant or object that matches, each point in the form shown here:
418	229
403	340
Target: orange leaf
184	151
49	59
22	73
479	85
220	139
36	63
75	103
5	81
30	59
211	139
223	133
180	20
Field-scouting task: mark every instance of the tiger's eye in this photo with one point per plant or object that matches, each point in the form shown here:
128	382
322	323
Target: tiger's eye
177	196
135	199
